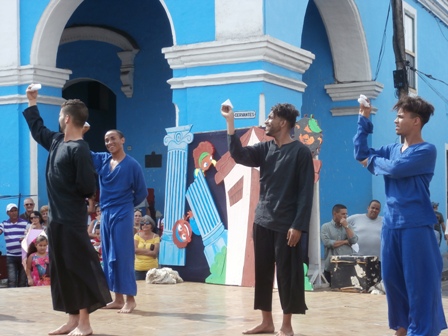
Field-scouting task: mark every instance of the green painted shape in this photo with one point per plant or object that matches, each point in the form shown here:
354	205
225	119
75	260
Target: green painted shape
218	268
308	284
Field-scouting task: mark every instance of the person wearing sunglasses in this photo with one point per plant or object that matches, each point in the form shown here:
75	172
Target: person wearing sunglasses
28	204
34	228
146	244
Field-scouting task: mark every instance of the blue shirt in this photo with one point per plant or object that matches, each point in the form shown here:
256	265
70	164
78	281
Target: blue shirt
406	174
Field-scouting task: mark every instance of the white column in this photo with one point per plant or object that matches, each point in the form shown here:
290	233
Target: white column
10	34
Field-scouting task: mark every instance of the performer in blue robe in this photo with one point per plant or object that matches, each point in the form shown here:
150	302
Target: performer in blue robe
411	260
122	187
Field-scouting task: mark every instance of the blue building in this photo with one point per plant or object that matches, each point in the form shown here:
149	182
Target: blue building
143	66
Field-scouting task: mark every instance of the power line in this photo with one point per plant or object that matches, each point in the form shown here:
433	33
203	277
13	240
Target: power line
424	77
383	46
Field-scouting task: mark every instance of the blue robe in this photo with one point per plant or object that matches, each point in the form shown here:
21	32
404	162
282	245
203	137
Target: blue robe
120	191
411	261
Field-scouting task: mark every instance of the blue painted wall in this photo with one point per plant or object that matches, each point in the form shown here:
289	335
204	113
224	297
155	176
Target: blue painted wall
284	20
144	117
341	179
193	22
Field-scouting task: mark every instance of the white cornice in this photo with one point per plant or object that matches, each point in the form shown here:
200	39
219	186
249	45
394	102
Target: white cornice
351	91
348	110
438	7
22	99
262	48
47	76
237	77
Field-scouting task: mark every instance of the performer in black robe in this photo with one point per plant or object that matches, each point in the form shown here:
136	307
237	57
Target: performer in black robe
78	284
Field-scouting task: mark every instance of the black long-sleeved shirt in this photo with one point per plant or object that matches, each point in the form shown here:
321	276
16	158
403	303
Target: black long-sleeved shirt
286	182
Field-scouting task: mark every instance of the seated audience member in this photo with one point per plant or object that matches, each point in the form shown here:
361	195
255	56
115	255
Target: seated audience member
97	241
37	264
28	204
14	231
146	248
439	227
368	229
144	207
91	230
337	237
44	212
137	219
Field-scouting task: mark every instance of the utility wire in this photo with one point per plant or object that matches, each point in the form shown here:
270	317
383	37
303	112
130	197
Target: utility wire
424	77
383	46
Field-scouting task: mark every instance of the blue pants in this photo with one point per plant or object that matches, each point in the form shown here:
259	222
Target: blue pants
412	270
16	272
117	247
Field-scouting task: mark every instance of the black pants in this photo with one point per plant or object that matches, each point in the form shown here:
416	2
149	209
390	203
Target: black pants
327	276
271	249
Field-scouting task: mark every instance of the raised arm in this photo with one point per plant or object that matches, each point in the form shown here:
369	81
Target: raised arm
248	156
39	132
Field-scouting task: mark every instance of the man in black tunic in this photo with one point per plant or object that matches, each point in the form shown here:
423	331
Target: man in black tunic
282	214
78	284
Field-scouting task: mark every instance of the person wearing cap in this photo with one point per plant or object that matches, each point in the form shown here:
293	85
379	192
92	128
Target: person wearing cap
411	263
146	243
14	230
78	283
439	227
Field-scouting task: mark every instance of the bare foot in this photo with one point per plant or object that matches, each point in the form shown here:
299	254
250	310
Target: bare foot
114	305
128	307
81	331
260	329
401	332
284	333
64	329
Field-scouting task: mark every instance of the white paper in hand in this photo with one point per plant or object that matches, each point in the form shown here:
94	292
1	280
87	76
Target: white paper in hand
227	103
35	87
355	248
363	100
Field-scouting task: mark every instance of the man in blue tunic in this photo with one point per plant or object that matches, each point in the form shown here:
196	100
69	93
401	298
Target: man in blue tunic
282	214
122	187
411	260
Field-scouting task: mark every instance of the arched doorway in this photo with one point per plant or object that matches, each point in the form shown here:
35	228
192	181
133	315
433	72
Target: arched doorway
101	102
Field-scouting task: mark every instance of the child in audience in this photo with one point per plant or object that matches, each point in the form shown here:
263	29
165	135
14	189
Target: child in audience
37	269
97	242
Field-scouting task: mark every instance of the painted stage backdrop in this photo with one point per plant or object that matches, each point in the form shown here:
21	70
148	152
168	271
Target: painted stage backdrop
209	239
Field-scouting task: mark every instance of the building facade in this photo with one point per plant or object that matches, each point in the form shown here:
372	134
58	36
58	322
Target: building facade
144	66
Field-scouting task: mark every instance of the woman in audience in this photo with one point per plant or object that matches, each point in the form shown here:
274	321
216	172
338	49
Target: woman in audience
94	223
44	213
137	219
146	248
34	229
36	222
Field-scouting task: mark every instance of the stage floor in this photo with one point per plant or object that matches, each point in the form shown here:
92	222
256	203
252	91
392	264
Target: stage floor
199	309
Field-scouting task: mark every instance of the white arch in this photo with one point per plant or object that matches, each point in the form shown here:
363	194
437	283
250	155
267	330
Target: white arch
100	34
116	38
347	40
48	32
170	19
349	50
